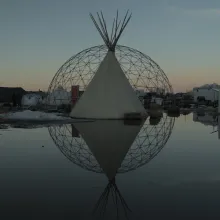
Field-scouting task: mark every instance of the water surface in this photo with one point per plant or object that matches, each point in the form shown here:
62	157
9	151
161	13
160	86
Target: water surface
162	169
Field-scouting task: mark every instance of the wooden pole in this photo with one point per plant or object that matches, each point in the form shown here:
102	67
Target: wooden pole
219	102
218	127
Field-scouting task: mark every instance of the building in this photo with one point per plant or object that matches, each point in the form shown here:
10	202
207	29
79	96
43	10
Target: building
207	91
6	93
31	99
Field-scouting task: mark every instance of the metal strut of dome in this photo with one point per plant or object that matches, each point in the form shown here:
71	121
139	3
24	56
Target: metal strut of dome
117	29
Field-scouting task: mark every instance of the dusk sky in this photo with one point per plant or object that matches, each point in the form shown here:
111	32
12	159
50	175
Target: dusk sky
38	36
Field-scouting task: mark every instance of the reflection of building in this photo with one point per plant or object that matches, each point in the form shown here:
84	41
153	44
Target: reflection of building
140	92
207	119
75	132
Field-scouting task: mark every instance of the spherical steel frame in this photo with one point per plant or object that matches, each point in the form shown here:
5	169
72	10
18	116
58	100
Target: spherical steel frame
141	71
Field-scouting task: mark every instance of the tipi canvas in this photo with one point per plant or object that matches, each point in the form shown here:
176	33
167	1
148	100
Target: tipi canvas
109	95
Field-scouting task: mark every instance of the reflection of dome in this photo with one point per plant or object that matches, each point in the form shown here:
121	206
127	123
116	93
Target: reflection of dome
150	139
112	147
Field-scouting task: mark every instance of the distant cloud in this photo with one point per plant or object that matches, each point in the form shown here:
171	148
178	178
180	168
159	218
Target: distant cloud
204	12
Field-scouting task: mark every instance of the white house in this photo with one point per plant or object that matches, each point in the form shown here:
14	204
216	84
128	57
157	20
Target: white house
58	97
207	91
31	99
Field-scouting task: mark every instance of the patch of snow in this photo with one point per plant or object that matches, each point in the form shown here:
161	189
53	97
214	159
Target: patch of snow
32	115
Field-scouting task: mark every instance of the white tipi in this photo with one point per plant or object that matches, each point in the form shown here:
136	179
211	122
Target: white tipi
109	95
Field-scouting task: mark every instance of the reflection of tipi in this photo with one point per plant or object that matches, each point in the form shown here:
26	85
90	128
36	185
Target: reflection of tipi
109	145
109	95
109	142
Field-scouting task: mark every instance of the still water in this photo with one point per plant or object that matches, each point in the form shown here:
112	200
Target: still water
167	168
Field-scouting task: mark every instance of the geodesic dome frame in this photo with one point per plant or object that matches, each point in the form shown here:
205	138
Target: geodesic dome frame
141	71
148	143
